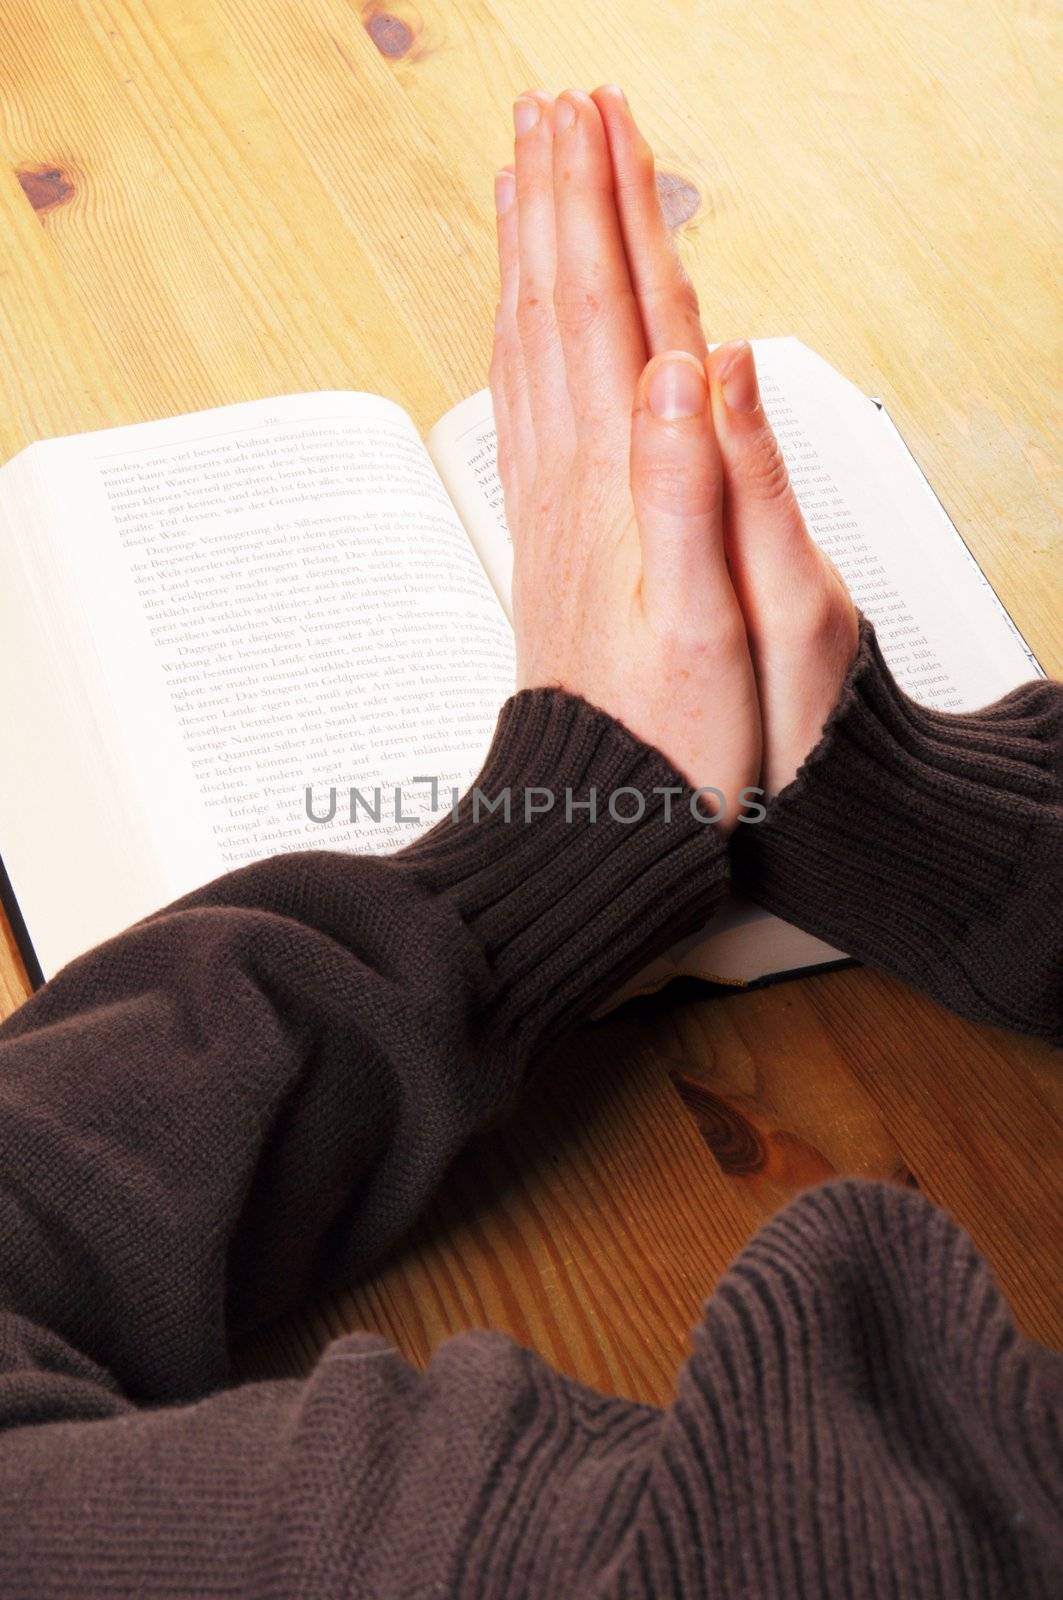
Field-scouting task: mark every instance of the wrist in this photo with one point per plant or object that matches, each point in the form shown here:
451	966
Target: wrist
926	842
579	854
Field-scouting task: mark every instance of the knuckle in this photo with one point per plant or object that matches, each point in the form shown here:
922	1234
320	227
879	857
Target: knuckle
641	177
644	167
819	617
685	293
813	618
533	311
577	309
727	642
833	621
690	641
677	487
516	382
544	497
675	291
764	473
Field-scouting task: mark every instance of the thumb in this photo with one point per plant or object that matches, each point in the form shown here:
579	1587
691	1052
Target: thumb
677	488
766	529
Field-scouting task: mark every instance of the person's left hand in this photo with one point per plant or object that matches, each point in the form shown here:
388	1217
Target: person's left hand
609	464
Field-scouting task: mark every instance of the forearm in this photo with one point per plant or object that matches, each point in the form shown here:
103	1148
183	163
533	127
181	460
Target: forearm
857	1400
928	844
250	1095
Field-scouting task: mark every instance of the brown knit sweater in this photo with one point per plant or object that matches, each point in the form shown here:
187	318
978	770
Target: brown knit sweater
249	1096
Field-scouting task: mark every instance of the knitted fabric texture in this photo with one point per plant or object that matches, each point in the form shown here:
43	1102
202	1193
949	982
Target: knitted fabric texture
246	1098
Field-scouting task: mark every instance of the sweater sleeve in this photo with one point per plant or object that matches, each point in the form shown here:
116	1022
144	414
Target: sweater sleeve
247	1097
928	843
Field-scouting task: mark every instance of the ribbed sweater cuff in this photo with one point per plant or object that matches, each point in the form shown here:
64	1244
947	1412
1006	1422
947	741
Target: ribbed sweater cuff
567	903
927	842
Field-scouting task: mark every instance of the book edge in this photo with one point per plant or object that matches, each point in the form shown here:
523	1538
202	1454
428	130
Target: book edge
1020	636
19	931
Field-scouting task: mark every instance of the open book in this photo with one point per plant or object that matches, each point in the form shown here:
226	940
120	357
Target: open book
211	622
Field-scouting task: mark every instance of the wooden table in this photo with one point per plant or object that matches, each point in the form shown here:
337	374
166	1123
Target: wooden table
203	201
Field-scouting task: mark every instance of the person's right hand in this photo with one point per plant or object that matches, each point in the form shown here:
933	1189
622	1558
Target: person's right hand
800	619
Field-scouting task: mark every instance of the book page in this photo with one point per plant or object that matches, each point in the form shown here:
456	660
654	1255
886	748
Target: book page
58	743
462	445
260	609
947	638
943	631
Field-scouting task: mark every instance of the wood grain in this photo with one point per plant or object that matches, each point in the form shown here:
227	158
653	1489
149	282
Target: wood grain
852	1073
203	201
591	1229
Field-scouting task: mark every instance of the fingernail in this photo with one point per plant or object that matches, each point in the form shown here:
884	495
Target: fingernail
564	115
738	377
525	115
505	189
615	89
677	389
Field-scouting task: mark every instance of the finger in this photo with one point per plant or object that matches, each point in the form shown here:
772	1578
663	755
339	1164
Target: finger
504	446
668	303
509	397
536	324
597	316
771	551
677	490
